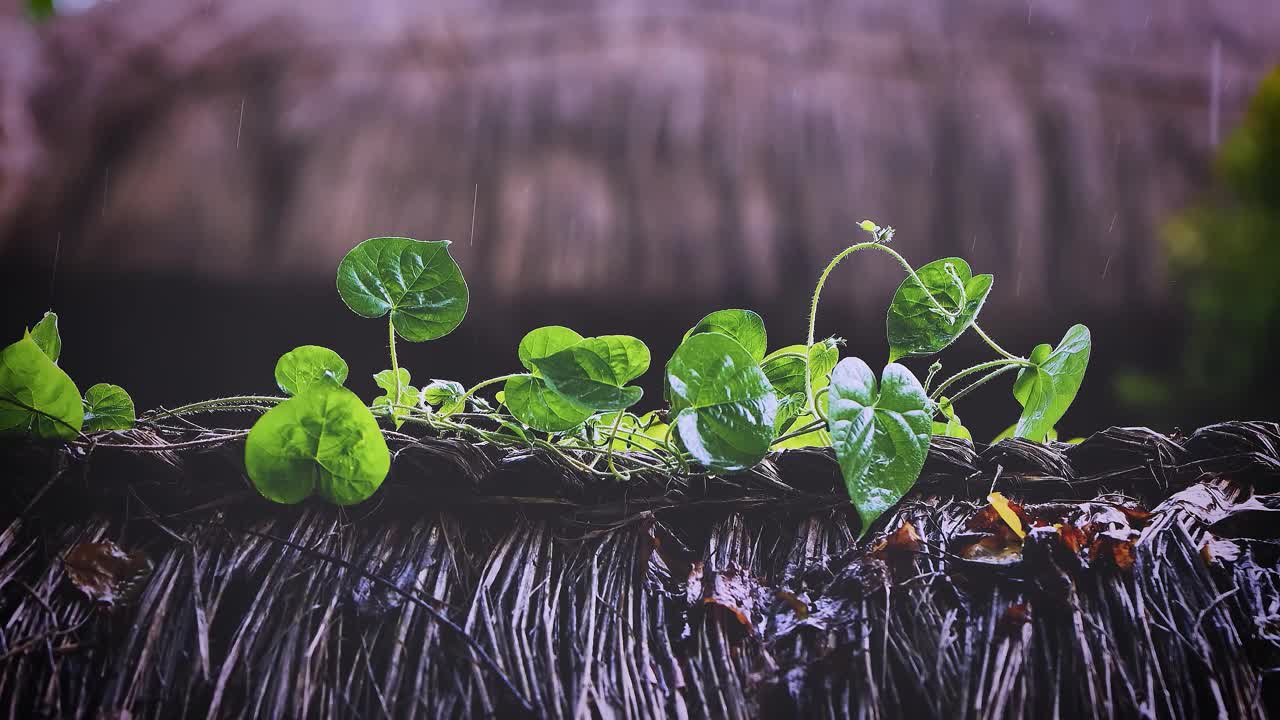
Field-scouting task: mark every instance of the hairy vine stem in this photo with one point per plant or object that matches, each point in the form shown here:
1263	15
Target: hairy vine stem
487	383
395	366
613	433
236	402
817	294
805	430
981	381
1010	362
994	345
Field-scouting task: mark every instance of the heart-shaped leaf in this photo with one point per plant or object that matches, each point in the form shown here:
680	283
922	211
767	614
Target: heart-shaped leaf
107	407
446	396
744	326
915	326
45	334
952	427
323	440
409	395
1046	391
728	408
417	282
36	396
785	367
528	397
880	434
544	341
593	373
534	404
302	367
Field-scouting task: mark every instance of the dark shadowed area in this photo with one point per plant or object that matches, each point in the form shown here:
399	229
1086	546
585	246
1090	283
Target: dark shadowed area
180	179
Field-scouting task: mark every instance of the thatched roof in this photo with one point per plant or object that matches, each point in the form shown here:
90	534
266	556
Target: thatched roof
478	581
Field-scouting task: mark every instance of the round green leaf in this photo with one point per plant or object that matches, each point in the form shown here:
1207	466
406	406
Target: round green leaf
445	395
417	282
409	395
107	407
785	367
534	404
302	367
593	373
880	434
36	396
45	334
744	326
544	341
915	326
323	440
1047	390
728	408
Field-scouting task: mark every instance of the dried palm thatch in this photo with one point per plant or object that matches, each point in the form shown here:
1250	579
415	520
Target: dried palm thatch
145	577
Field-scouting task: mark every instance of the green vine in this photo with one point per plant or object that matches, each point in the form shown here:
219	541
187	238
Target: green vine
729	402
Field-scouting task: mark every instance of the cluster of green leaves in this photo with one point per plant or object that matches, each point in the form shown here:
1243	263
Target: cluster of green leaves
729	400
38	398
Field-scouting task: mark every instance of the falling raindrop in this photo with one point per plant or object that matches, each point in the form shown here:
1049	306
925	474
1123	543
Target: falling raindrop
1215	90
1106	267
53	274
474	197
240	124
1112	226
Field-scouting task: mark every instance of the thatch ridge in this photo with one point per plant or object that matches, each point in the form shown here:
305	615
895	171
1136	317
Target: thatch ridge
658	596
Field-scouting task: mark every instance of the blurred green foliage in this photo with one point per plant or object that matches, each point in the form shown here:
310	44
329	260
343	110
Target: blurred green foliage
40	9
1224	255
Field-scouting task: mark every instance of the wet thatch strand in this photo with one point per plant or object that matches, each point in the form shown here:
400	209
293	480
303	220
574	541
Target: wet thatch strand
658	597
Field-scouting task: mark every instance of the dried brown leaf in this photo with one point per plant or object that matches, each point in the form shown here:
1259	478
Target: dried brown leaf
1115	548
105	573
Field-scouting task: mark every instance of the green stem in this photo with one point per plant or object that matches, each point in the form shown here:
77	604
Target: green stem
487	383
498	438
218	404
815	425
608	458
817	293
1011	362
994	345
980	382
395	366
671	448
933	370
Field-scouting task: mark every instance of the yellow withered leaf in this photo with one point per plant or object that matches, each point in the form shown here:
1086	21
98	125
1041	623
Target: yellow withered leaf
1006	513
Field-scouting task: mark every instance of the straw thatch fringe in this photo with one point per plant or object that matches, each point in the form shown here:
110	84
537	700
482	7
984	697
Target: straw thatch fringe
659	597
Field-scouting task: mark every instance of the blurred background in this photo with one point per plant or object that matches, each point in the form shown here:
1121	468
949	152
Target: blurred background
180	179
